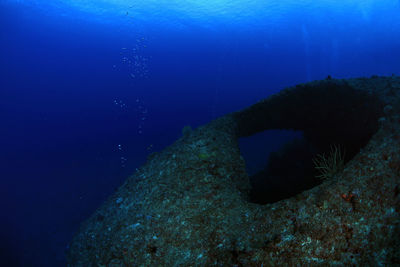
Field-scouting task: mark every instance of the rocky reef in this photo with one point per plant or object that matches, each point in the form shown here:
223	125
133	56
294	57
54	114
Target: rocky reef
193	204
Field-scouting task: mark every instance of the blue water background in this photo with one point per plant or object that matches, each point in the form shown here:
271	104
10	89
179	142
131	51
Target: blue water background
88	89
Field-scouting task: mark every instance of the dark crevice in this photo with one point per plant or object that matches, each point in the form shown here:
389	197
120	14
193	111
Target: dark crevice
287	173
329	113
291	171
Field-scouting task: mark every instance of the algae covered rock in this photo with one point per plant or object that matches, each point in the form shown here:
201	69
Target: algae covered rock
190	204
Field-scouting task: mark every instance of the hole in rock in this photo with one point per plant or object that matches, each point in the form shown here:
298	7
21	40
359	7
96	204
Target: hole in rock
327	115
280	163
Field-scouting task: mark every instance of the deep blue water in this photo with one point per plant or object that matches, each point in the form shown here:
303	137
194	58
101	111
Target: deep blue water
89	88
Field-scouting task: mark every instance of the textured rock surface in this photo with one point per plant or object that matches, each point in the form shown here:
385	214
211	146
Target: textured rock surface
189	204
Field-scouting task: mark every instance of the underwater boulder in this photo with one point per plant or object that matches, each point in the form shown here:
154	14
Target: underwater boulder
190	204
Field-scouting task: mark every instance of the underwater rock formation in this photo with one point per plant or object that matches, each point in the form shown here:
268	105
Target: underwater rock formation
190	204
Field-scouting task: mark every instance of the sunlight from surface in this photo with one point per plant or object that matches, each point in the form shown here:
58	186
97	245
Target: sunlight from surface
208	13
